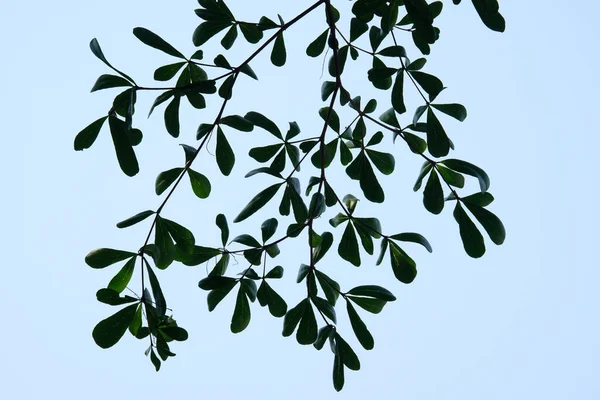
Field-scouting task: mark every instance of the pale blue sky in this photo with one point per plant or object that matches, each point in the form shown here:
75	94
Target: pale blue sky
520	323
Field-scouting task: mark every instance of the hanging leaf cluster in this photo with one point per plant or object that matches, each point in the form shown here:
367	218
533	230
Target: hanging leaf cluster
364	146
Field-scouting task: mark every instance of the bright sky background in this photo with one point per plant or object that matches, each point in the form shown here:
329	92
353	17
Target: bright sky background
520	323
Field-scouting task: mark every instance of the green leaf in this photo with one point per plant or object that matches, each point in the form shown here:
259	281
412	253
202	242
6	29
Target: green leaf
454	110
213	282
348	247
199	255
450	177
200	184
469	169
122	278
414	238
246	240
326	89
153	40
338	373
135	219
479	199
267	296
357	28
383	249
241	313
437	140
221	222
431	84
427	166
95	48
264	123
109	81
167	72
175	333
489	14
292	317
349	357
102	258
278	54
110	330
172	117
166	247
307	330
237	122
403	266
248	284
216	295
316	47
224	153
376	36
360	329
86	138
324	334
369	183
300	211
389	117
330	116
490	222
323	159
264	154
268	228
433	195
469	234
183	237
398	93
258	202
374	291
136	324
159	299
123	148
325	307
251	32
330	287
323	247
383	161
166	179
110	297
229	37
161	99
371	305
275	273
208	29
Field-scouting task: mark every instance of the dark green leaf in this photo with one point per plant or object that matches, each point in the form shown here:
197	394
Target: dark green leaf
330	116
246	240
208	29
251	32
470	235
357	28
330	287
110	330
338	373
452	178
237	122
398	93
248	284
325	307
161	99
221	222
307	330
275	273
360	329
431	84
182	236
318	45
389	117
424	171
241	313
302	272
326	89
454	110
167	72
213	282
267	296
322	159
433	195
323	247
224	153
293	316
349	357
110	297
348	247
268	229
490	222
437	140
376	36
172	117
278	54
102	258
123	148
166	179
263	122
403	266
489	14
135	219
469	169
122	278
153	40
229	37
159	298
369	183
199	255
109	81
258	202
479	199
264	154
324	334
383	161
166	247
374	291
371	305
95	47
86	138
413	237
383	249
200	184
